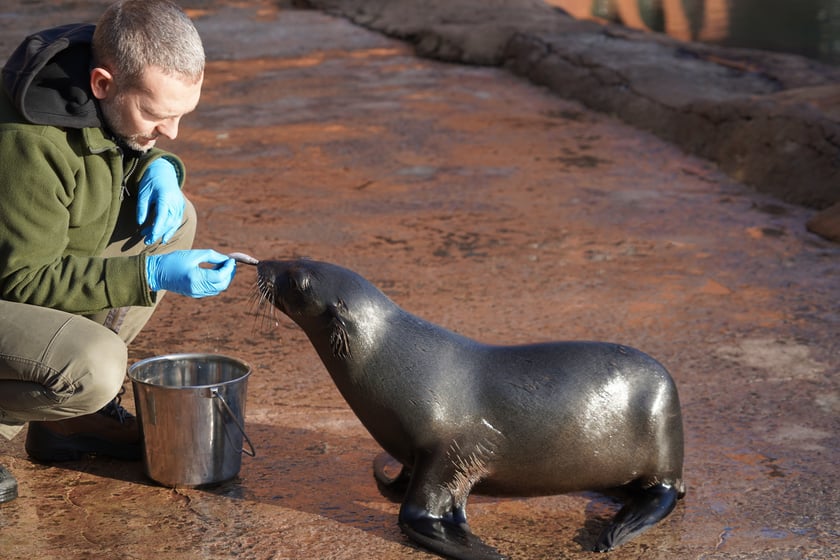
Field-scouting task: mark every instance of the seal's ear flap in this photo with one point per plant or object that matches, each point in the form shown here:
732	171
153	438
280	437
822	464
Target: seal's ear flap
339	340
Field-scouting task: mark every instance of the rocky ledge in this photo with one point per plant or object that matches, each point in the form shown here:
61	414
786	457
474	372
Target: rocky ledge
769	120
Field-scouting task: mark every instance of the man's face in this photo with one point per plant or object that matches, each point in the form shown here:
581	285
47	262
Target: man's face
139	115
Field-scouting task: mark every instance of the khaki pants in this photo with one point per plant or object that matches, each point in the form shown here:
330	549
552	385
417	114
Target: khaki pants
56	365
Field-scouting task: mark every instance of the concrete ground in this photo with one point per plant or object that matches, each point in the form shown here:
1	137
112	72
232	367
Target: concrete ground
494	208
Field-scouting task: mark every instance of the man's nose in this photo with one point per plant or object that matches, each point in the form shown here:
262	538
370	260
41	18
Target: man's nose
169	127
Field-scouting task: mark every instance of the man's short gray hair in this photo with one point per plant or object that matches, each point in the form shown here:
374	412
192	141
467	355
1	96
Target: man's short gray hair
132	35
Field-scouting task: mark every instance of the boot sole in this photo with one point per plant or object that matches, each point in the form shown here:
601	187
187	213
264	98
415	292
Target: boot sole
8	486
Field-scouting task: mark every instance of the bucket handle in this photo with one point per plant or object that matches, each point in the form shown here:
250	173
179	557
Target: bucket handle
214	392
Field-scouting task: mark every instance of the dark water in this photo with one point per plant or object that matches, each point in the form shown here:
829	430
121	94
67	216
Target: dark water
807	27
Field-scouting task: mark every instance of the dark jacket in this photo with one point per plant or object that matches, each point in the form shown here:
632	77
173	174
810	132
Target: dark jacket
63	180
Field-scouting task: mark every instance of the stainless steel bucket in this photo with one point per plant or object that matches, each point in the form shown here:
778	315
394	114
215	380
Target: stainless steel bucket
191	411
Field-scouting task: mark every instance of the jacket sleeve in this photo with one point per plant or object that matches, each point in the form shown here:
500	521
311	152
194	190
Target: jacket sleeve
39	210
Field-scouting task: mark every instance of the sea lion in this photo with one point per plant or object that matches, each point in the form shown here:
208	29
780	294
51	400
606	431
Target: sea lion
527	420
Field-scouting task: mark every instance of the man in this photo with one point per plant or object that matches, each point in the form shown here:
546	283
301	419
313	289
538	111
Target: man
93	223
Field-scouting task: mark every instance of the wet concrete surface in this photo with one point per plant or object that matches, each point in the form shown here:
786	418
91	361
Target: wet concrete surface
494	208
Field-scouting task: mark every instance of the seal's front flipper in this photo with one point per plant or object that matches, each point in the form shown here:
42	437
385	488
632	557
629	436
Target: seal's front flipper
452	539
392	487
645	508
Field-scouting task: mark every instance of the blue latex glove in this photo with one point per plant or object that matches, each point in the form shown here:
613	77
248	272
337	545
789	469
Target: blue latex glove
180	272
159	190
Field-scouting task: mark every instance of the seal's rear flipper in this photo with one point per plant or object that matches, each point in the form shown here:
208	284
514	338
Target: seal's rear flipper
393	488
449	539
645	508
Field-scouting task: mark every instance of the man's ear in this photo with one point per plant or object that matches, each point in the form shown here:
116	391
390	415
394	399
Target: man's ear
101	82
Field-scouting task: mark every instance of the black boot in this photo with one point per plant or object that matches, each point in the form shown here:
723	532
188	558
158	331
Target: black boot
110	432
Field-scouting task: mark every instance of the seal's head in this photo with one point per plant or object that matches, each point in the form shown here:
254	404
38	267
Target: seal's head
327	301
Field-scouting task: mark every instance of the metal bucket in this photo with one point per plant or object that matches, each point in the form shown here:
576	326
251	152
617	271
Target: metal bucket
191	411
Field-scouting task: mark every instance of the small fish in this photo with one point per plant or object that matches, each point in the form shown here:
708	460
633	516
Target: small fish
244	259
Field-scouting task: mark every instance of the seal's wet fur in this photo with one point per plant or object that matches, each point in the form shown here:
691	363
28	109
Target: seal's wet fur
523	420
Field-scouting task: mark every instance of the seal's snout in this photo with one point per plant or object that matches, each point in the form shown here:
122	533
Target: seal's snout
265	283
284	284
265	270
272	278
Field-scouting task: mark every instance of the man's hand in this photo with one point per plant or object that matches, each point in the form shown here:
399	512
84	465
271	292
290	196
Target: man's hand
180	272
160	196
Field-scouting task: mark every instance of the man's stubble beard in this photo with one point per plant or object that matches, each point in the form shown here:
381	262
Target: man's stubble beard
114	123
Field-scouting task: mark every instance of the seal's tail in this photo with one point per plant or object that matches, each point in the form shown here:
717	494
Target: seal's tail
392	487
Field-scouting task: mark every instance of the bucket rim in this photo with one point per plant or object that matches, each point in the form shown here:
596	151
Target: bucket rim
188	356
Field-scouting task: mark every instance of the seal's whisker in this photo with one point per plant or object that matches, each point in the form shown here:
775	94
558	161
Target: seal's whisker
262	302
257	308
